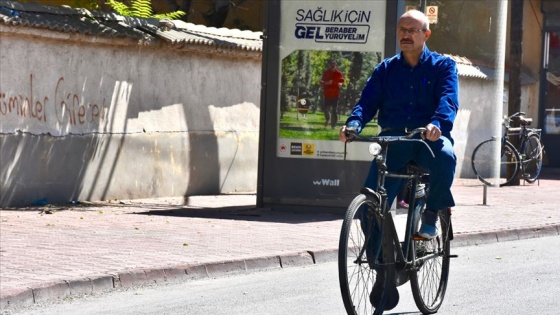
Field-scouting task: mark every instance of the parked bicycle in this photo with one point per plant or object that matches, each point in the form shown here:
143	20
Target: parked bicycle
370	249
527	158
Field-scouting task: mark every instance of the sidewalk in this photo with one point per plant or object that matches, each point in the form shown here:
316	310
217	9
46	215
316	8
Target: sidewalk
55	252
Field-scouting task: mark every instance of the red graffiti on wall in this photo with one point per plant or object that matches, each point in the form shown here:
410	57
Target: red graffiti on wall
24	105
68	107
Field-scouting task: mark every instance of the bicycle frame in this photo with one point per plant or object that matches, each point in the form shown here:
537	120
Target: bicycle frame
370	248
523	132
526	156
413	212
402	250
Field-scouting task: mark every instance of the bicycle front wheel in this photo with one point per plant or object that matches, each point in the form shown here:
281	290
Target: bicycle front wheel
532	158
356	260
484	165
430	271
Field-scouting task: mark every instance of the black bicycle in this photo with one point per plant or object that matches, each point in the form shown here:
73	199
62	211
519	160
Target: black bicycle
527	158
370	249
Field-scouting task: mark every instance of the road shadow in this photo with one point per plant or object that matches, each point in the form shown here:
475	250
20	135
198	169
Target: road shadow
242	213
550	173
238	212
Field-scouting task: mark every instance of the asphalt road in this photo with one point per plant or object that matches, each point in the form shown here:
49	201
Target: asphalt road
519	277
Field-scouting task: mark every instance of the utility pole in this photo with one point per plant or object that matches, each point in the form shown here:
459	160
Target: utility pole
515	59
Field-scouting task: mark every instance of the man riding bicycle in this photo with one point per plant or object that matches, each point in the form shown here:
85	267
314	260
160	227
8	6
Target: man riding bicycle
415	88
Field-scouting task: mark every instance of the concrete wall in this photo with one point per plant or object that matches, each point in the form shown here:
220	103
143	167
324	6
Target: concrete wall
477	120
92	119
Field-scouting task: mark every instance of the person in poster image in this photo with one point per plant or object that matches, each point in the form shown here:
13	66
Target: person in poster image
331	81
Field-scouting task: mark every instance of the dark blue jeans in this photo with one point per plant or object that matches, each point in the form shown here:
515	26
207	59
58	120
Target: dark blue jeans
441	169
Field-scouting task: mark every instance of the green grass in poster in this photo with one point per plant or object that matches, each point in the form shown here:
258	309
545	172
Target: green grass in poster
312	126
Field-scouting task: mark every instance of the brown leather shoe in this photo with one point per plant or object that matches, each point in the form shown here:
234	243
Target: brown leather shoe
392	295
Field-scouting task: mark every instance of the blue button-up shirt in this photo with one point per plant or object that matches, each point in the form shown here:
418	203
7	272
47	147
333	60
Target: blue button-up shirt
410	97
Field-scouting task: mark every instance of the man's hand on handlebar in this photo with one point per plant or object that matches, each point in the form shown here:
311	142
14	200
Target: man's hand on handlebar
432	133
343	134
349	130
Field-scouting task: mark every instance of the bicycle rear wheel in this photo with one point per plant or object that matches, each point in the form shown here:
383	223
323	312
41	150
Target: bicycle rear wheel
532	160
484	166
356	261
428	277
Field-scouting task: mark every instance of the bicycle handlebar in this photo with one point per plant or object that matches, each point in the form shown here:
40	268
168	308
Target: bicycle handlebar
351	135
517	115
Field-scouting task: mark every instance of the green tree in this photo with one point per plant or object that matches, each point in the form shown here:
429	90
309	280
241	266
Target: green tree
86	4
303	75
354	74
142	9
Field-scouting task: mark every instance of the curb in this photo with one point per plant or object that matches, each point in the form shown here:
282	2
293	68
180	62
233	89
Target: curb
470	239
20	297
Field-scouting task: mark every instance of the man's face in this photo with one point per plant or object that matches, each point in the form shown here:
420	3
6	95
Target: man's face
411	35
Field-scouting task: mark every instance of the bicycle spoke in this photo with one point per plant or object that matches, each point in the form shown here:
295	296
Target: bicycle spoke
355	273
431	277
532	162
431	268
495	163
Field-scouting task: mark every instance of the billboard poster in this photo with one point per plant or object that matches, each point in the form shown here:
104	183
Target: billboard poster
327	51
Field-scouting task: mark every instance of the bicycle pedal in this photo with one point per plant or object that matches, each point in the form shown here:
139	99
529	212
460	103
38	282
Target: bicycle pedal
417	237
453	256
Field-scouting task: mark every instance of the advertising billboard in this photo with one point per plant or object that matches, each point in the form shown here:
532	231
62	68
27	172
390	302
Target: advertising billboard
317	56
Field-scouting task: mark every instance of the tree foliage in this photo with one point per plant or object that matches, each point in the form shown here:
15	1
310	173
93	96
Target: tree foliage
241	14
86	4
142	9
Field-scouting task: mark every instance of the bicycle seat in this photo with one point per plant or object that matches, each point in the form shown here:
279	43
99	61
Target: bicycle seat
413	168
523	121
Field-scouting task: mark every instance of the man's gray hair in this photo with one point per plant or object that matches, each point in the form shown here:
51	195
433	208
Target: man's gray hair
420	16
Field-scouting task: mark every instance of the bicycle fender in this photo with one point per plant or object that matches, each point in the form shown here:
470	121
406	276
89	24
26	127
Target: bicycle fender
370	192
450	235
